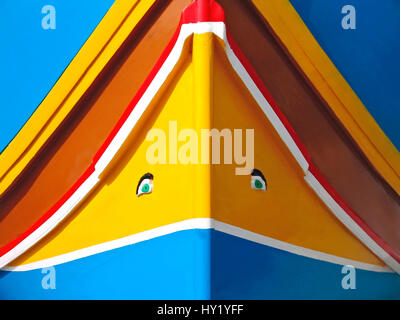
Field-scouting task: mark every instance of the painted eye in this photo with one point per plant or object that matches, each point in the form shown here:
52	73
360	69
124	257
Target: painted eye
145	184
258	181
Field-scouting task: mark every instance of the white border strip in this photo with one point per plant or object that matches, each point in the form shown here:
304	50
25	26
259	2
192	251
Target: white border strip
266	107
301	251
349	222
197	223
218	28
52	222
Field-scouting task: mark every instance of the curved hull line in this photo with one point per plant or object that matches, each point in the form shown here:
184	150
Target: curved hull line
44	228
190	224
139	104
345	218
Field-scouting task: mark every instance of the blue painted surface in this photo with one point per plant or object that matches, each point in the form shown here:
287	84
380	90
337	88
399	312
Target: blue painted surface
32	59
168	267
367	57
247	270
176	266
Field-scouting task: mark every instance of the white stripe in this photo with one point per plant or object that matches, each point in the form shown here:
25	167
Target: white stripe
349	222
217	28
186	30
198	223
266	108
301	251
52	222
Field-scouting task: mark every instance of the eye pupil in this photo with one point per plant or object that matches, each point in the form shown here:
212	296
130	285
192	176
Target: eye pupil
258	184
145	188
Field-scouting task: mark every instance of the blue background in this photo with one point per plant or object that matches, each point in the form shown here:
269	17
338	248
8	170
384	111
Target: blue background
367	57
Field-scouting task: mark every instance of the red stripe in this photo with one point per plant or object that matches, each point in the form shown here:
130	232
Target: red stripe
139	94
203	11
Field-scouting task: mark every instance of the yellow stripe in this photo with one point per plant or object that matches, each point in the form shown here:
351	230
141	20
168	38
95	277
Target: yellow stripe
76	79
334	89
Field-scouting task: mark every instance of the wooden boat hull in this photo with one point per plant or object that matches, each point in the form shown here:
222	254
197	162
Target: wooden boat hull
202	218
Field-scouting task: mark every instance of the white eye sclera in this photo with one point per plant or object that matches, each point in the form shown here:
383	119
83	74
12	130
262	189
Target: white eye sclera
145	184
258	181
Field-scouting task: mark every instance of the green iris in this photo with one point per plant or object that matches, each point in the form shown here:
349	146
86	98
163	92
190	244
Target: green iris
258	184
146	188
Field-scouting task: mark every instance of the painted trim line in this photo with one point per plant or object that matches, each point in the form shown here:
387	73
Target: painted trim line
191	224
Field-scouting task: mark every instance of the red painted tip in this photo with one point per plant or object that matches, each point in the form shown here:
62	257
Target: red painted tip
203	11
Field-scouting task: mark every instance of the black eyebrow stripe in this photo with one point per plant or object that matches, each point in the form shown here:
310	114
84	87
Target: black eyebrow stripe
258	173
145	176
